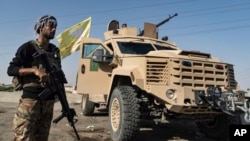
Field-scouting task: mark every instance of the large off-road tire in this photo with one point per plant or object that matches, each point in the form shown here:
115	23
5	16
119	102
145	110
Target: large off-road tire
218	128
124	113
87	106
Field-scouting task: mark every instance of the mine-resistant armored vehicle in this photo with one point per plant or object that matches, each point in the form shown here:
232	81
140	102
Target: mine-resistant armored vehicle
140	77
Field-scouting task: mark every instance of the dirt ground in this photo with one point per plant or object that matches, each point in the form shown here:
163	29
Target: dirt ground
95	128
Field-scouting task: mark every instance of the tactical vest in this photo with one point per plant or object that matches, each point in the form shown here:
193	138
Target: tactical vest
54	59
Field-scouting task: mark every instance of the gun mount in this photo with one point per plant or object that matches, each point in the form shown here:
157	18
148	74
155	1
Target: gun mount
150	30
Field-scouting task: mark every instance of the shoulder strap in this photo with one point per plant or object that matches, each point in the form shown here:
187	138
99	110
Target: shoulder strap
36	46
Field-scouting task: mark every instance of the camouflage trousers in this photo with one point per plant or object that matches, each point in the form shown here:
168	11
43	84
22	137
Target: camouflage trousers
32	120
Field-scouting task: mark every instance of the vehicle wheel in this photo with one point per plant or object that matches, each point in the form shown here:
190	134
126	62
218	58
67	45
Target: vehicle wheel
124	113
218	128
87	106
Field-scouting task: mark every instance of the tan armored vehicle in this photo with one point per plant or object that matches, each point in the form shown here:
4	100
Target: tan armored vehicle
141	78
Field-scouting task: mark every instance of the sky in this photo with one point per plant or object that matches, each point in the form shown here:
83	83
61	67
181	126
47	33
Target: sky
218	27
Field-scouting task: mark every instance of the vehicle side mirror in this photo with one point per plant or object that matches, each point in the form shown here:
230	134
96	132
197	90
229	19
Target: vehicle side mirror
98	55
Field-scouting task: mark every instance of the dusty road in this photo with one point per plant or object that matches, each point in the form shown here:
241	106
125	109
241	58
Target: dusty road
98	131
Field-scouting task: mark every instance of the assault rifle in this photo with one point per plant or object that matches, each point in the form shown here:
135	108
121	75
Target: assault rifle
56	86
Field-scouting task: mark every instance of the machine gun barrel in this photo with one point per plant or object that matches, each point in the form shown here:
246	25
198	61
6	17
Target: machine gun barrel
159	24
166	20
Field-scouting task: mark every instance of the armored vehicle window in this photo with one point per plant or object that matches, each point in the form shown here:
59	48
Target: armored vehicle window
159	47
88	49
135	48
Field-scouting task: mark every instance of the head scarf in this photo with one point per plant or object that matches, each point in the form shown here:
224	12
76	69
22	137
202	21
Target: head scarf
41	22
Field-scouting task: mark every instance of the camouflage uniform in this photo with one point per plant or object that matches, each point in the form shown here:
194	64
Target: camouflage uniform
32	120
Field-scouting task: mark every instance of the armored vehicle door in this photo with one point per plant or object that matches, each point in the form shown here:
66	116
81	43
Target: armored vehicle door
94	71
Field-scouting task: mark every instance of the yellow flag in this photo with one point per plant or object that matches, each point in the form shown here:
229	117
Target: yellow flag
68	40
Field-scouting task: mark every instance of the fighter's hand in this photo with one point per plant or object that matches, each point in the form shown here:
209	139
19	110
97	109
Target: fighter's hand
42	75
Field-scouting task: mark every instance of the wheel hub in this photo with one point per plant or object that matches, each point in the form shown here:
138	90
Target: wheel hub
115	114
